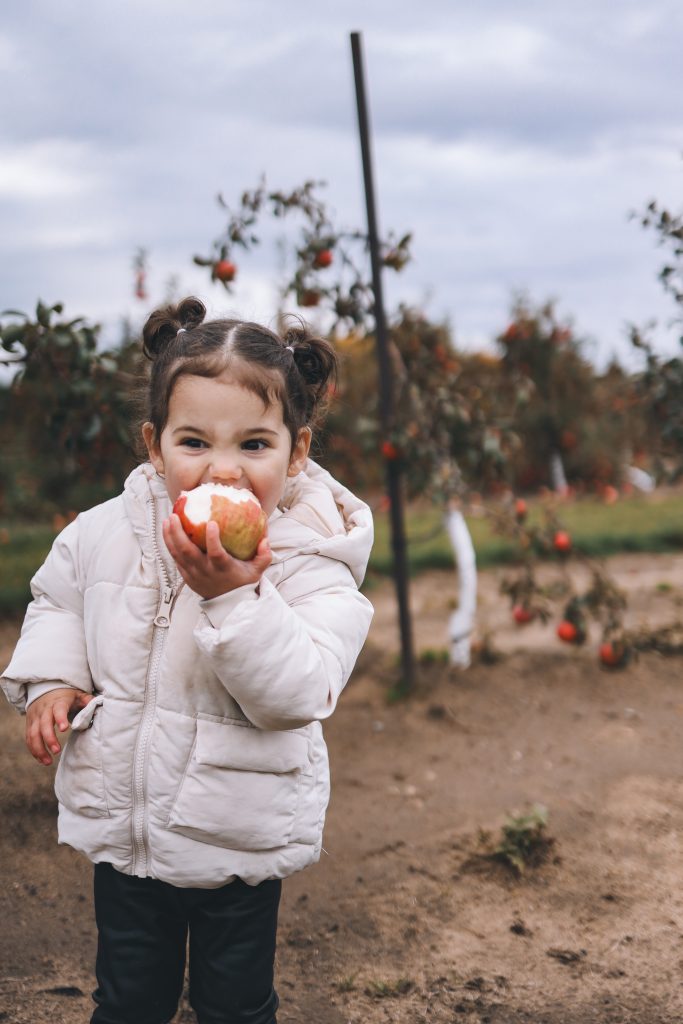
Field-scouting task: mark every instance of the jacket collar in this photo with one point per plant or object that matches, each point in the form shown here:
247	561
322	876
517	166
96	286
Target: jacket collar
142	486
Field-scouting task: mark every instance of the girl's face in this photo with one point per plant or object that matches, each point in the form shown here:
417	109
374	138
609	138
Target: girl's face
219	432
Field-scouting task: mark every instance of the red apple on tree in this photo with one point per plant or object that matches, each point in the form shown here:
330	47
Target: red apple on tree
613	654
568	632
323	258
522	614
562	542
520	509
389	450
241	520
224	270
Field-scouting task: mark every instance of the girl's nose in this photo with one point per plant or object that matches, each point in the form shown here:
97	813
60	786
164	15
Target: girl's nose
225	471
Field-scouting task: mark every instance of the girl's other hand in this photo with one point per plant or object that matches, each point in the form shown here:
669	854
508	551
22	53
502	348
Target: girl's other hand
213	572
53	708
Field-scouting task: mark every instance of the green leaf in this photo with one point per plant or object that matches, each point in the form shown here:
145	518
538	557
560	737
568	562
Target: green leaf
12	335
43	314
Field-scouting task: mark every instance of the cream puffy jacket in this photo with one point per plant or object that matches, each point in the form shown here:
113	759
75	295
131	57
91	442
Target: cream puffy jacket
201	756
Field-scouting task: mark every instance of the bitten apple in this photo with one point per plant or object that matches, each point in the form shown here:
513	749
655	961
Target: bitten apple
241	520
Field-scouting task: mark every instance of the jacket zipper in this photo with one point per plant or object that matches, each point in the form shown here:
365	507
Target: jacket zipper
162	620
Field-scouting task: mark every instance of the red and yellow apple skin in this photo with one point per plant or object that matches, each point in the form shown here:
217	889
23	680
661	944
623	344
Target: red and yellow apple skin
241	520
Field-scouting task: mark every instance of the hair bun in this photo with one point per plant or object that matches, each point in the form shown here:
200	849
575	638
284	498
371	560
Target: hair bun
191	312
163	324
316	361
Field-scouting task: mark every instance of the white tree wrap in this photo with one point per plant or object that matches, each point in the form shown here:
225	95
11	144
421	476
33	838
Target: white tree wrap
461	621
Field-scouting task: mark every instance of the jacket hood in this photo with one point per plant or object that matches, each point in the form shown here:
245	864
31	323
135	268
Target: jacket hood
317	515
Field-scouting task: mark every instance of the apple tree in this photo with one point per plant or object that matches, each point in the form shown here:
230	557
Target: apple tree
566	433
343	293
68	411
659	385
438	432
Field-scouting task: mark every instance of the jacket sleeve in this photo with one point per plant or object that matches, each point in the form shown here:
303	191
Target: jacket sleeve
286	654
52	648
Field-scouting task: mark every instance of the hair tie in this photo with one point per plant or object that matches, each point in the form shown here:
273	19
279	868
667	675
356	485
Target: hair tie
182	330
288	348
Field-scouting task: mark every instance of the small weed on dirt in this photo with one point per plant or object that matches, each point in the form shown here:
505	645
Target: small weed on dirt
433	656
389	989
347	984
524	841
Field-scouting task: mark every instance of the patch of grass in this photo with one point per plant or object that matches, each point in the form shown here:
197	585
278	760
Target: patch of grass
22	552
642	523
433	656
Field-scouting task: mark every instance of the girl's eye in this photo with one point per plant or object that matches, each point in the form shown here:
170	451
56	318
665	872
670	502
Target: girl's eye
254	444
192	442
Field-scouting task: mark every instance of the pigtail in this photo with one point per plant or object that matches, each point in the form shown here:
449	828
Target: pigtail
163	324
316	363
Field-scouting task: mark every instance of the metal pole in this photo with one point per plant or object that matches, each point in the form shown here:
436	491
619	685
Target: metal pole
393	472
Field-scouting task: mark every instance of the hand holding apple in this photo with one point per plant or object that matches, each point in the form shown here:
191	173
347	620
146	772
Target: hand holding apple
216	536
212	572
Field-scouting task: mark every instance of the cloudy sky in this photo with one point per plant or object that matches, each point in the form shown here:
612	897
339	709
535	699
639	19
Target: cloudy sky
513	140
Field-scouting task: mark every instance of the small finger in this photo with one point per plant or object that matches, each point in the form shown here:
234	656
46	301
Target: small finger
180	546
35	744
47	730
214	548
173	531
168	534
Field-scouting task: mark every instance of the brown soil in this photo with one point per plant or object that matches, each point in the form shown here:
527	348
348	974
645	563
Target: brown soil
406	919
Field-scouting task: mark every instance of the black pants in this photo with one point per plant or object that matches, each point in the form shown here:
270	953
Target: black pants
143	926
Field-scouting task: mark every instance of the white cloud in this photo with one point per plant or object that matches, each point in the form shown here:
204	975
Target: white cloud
47	169
500	47
10	60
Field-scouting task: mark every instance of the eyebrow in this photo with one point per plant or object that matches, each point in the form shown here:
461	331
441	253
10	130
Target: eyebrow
189	429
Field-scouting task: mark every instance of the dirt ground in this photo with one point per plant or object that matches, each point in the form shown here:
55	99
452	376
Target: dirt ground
404	920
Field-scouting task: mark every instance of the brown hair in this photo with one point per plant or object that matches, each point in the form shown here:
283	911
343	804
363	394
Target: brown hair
295	369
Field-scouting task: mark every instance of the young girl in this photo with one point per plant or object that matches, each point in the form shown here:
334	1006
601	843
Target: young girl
196	775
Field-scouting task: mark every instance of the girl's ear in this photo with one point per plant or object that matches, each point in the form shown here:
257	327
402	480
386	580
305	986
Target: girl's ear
300	452
153	449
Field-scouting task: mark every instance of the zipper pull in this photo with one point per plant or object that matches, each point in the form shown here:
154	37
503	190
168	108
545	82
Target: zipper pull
163	616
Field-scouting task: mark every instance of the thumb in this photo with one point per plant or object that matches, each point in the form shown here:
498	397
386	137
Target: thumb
60	713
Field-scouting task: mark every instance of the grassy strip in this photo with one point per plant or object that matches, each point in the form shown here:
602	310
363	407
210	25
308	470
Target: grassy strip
639	524
23	550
